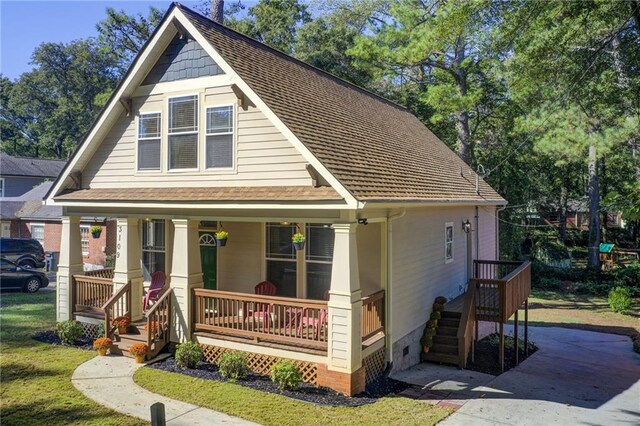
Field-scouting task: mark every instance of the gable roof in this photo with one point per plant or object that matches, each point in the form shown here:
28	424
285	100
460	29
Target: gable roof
378	150
367	148
30	167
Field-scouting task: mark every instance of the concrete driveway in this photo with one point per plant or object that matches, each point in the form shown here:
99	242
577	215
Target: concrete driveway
576	377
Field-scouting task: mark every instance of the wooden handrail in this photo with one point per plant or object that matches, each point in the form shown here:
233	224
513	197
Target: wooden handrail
90	293
159	322
121	301
261	318
465	328
101	273
372	315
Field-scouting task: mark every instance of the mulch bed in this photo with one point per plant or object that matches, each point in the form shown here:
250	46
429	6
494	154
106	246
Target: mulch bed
306	392
52	338
487	355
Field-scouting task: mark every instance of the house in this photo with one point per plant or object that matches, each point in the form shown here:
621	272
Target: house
19	175
210	130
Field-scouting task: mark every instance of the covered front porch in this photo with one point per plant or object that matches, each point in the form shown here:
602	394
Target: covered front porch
327	306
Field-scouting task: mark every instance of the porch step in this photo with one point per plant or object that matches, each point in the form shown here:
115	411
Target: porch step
445	349
447	331
450	314
440	358
445	340
449	322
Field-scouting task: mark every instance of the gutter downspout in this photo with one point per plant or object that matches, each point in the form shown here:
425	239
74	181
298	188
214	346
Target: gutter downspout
389	313
498	210
477	233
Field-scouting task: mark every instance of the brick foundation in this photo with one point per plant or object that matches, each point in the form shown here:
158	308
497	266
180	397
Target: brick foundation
345	383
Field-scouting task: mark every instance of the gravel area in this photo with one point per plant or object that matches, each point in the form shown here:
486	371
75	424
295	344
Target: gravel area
306	392
52	338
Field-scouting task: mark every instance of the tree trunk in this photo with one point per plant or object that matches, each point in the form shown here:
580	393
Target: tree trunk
562	214
217	11
594	211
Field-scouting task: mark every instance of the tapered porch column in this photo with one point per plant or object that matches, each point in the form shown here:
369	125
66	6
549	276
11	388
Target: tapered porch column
186	274
128	265
70	263
345	372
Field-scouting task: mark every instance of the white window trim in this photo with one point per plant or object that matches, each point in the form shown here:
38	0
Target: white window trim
87	227
234	133
447	225
1	187
40	225
138	139
197	133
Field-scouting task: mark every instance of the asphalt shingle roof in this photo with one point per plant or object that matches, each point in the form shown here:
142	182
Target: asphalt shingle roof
26	166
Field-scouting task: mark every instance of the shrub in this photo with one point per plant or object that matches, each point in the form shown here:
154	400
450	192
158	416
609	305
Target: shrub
233	365
435	315
430	332
138	349
427	341
102	343
549	283
620	299
432	324
188	355
69	331
286	375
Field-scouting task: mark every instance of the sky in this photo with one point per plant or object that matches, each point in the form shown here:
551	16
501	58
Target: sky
24	25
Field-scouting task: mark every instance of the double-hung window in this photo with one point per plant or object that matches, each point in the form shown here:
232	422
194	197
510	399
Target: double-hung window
37	232
153	247
219	138
183	132
149	141
281	258
318	258
448	242
84	239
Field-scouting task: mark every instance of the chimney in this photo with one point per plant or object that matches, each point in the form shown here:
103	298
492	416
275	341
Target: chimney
217	11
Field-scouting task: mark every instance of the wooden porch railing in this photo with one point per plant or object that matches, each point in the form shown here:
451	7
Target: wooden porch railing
294	322
90	293
159	322
372	315
502	287
100	273
117	306
465	329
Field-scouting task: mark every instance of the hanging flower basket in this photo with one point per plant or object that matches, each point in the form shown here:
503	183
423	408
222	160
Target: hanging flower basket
96	231
221	238
298	241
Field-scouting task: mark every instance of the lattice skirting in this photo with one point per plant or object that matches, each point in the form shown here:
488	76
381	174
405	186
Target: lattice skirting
374	365
92	331
261	364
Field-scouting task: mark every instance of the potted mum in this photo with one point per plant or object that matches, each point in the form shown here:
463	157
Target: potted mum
298	241
139	351
426	342
96	230
221	238
102	344
121	323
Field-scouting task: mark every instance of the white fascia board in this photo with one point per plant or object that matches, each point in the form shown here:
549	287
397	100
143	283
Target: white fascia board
236	79
199	206
430	203
114	106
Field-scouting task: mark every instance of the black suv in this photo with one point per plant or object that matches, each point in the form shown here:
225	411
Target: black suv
24	252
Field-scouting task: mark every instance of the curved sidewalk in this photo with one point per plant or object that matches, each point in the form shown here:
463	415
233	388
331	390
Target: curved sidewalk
108	380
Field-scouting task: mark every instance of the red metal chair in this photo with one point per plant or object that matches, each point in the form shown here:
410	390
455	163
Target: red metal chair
317	321
262	311
155	289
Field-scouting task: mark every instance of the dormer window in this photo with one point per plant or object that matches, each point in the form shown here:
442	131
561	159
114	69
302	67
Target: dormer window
183	133
219	149
149	141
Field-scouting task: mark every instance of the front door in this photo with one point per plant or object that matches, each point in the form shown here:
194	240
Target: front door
208	257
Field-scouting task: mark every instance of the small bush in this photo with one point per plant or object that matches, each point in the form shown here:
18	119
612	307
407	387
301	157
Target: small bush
69	331
435	315
286	375
549	283
188	355
233	365
620	299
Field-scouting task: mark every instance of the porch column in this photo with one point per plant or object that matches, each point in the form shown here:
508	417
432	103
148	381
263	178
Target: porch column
345	306
128	265
70	263
186	274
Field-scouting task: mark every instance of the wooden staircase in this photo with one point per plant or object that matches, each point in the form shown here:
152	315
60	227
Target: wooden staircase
445	342
136	333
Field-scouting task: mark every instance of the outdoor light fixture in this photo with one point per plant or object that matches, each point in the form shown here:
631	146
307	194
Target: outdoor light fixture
363	221
466	225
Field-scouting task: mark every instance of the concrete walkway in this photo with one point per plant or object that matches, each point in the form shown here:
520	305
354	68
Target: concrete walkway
576	377
108	380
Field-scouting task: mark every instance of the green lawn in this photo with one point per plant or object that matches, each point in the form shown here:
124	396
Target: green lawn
270	409
35	378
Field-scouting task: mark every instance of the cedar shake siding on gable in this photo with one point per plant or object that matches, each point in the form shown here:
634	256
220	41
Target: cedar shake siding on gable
264	156
182	59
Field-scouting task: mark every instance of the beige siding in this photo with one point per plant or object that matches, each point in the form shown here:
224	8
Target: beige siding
369	252
419	273
240	261
264	157
487	233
